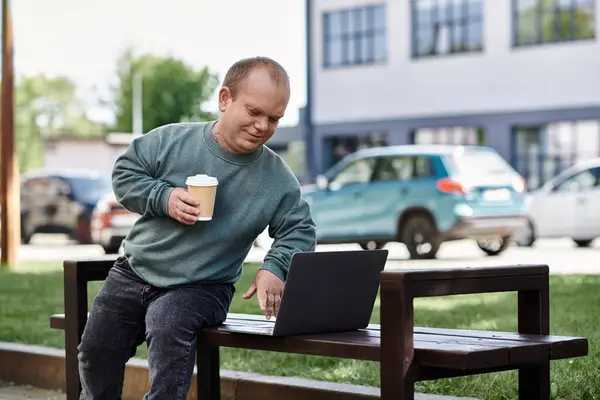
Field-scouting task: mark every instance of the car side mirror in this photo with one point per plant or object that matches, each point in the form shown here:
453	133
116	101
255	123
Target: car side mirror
322	182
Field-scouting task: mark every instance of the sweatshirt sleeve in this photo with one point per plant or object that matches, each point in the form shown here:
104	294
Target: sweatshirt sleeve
134	177
293	230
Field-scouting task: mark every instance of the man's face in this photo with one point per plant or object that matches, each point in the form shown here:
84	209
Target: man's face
250	119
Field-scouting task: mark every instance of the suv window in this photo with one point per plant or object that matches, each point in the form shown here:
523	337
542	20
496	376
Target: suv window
477	164
582	180
401	168
359	171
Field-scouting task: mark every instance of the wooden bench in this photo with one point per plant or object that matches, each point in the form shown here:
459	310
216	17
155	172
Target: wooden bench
406	353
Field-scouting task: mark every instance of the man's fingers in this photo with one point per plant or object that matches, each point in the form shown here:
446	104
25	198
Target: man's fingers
270	305
185	218
262	300
188	213
277	304
250	292
187	198
184	208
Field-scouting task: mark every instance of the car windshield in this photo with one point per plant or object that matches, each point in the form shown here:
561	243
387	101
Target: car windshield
486	165
89	189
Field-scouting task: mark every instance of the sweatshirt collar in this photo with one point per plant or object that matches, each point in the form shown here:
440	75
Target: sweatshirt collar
220	152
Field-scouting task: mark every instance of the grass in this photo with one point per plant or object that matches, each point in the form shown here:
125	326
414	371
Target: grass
33	291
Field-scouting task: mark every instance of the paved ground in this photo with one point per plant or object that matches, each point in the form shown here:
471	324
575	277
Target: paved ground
560	254
9	392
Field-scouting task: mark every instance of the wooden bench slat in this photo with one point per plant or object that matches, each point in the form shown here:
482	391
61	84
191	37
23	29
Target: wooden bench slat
560	346
435	350
434	347
499	271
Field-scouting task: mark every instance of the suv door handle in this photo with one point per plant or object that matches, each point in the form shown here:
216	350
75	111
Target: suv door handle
581	200
404	191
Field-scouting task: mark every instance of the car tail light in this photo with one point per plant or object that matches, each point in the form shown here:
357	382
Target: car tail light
519	184
448	185
106	220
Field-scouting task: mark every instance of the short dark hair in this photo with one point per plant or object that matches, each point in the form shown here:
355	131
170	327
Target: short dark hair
239	71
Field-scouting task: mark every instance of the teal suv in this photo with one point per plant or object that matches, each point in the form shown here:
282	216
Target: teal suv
419	195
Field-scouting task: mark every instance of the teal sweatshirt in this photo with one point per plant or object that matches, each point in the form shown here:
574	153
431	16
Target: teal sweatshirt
255	191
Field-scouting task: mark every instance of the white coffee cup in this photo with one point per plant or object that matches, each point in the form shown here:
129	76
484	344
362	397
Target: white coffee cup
204	189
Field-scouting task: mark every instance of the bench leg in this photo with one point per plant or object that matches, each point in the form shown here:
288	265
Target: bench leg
398	388
208	377
534	382
534	318
76	307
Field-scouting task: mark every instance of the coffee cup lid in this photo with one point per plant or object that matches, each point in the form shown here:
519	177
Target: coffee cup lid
201	180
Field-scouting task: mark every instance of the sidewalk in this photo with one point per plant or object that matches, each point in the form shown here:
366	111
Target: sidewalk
11	392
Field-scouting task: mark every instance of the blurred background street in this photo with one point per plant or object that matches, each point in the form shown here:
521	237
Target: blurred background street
560	254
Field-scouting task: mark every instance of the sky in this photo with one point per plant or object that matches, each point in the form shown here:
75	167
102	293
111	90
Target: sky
82	38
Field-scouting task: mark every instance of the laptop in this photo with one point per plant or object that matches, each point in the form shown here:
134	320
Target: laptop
324	292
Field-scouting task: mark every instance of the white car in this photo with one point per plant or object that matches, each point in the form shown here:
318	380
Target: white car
110	224
566	206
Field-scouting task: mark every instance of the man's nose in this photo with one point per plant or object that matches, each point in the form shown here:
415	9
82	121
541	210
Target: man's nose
261	123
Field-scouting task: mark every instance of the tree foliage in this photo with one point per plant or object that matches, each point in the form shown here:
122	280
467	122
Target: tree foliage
172	91
47	107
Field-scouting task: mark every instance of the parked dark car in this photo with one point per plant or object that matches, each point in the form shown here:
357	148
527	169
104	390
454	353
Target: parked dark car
61	202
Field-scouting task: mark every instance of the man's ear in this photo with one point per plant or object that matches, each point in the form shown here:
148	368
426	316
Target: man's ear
225	98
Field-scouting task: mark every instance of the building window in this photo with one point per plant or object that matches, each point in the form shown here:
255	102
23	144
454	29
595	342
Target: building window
458	135
354	36
542	151
550	21
341	146
442	27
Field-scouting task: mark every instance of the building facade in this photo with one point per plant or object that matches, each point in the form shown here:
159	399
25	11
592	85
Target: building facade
74	152
522	76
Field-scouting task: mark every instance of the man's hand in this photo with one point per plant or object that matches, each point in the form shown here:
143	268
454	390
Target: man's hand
269	288
183	206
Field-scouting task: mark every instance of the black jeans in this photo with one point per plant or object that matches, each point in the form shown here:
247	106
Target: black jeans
126	312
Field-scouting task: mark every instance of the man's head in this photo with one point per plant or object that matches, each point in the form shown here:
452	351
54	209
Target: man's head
254	96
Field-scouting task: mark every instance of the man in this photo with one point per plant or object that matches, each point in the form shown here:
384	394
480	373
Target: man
178	273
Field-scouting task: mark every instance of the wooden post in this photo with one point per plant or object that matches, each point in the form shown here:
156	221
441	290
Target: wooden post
9	172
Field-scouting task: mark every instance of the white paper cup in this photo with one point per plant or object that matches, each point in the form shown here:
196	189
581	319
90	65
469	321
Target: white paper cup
204	189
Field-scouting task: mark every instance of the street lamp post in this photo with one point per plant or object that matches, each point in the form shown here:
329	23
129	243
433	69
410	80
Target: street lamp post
9	171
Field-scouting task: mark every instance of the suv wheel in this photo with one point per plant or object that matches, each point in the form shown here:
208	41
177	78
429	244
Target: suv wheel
112	247
83	230
494	247
421	237
583	243
25	236
526	238
372	245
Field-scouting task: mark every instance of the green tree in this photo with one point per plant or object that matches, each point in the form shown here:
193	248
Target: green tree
172	91
47	107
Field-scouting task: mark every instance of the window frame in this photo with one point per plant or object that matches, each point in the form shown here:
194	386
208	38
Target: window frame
540	12
413	159
593	171
361	38
372	164
465	21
